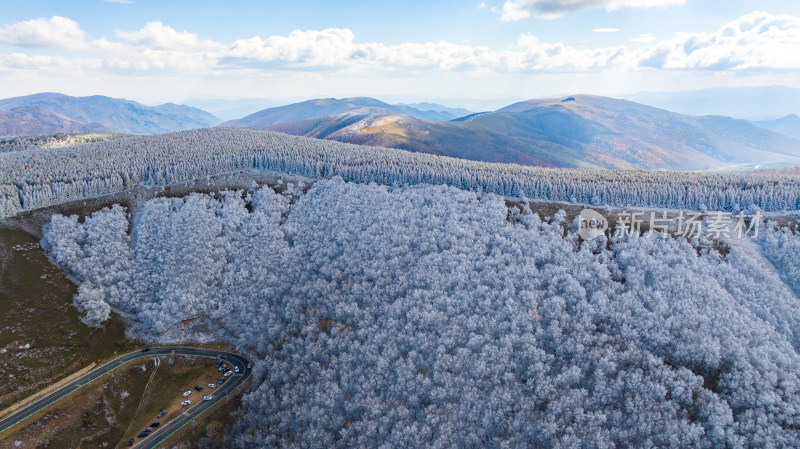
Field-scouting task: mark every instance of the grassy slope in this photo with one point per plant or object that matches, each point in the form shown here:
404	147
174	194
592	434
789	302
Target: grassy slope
99	414
36	301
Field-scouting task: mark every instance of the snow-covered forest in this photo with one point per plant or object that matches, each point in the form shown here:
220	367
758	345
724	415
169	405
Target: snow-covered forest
428	316
35	179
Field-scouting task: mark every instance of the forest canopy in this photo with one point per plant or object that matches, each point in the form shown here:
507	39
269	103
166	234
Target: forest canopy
33	179
428	316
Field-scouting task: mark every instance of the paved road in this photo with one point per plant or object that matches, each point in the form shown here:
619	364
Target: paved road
161	433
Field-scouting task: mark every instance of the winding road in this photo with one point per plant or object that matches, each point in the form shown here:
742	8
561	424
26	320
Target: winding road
161	433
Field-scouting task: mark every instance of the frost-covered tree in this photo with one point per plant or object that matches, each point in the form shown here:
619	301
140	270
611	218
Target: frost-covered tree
428	316
35	179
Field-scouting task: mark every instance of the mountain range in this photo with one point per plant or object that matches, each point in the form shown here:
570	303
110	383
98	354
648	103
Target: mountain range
50	113
749	103
573	131
34	120
577	131
315	109
789	125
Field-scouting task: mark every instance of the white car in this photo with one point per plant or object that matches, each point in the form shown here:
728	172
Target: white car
186	393
228	373
236	368
208	398
185	403
212	385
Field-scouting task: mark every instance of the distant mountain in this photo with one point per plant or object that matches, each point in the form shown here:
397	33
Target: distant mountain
113	114
229	109
455	112
314	109
788	126
579	131
750	103
33	120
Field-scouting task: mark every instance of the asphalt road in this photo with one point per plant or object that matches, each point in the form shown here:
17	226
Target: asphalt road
161	433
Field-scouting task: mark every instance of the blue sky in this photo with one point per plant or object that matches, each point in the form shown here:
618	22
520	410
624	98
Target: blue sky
157	51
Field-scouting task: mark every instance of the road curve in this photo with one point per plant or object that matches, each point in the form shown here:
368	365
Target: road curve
161	433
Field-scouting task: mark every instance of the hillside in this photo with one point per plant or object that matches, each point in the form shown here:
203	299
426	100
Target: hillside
579	131
788	126
99	113
751	103
31	180
409	316
427	106
33	120
315	109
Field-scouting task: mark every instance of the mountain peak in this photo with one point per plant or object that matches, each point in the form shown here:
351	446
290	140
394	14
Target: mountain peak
99	112
320	108
579	130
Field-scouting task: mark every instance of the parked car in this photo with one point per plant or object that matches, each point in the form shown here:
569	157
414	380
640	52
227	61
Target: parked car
236	368
227	373
198	388
249	366
143	434
185	403
212	385
130	442
145	349
155	424
219	363
186	393
221	381
208	398
162	413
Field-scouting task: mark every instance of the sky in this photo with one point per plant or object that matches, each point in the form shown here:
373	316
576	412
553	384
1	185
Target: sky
155	51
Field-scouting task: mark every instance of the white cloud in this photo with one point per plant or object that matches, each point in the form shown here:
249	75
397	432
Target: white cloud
514	10
606	30
482	5
755	41
46	65
331	47
55	32
335	49
23	61
156	35
644	38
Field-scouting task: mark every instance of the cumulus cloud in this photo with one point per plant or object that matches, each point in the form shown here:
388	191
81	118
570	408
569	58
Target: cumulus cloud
755	41
335	48
324	48
55	32
644	38
156	35
23	61
514	10
46	64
